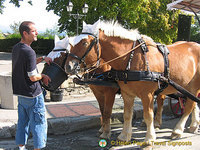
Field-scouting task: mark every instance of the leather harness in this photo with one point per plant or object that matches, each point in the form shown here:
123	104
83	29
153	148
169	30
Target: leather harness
129	75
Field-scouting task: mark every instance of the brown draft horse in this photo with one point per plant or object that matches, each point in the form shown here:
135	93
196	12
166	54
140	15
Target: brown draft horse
105	96
114	41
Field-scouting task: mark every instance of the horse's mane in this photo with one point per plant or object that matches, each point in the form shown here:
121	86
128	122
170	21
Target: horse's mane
112	28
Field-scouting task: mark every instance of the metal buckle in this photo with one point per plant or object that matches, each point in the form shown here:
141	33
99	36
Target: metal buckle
125	75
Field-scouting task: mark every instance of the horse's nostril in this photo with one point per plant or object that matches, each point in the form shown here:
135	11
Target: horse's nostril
78	67
68	68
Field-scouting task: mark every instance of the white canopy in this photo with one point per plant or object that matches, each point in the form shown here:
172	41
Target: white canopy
188	5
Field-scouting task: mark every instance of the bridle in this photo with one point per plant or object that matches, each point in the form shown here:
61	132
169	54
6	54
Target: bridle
82	59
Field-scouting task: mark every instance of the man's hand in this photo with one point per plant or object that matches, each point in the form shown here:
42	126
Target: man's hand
45	79
48	60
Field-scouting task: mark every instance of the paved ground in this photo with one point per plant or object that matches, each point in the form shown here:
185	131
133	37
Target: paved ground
77	107
78	111
88	139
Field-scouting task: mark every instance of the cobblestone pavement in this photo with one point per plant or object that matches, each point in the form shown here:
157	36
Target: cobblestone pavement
89	139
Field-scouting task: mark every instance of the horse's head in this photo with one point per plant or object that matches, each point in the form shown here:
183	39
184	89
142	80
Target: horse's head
60	46
84	53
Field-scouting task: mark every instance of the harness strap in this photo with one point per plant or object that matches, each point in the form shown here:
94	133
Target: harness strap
81	60
144	50
57	50
64	61
97	42
164	51
129	75
89	49
128	67
74	56
143	45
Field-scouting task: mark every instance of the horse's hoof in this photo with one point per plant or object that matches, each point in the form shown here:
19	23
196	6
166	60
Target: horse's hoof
143	124
101	130
148	143
124	138
105	135
175	136
149	139
193	129
157	126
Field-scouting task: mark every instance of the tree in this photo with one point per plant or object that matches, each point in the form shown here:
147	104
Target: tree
1	35
195	34
15	27
15	2
50	33
149	16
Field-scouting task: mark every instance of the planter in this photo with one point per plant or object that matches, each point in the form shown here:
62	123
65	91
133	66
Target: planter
56	95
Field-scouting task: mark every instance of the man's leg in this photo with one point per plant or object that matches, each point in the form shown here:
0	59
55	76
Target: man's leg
38	123
22	125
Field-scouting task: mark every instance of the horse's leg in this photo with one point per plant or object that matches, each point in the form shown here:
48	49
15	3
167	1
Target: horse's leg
126	133
158	118
108	104
194	125
100	99
148	101
178	130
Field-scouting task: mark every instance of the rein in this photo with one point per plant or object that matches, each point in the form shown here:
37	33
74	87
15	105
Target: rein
90	70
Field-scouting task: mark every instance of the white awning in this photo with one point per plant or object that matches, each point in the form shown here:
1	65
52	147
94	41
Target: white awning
188	5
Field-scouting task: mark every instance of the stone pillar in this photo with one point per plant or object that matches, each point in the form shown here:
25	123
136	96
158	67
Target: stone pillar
8	100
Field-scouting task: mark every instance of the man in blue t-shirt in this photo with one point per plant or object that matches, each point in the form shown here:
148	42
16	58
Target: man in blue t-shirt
25	82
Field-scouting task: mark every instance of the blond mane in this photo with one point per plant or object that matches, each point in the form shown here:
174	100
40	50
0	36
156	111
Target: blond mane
113	28
110	28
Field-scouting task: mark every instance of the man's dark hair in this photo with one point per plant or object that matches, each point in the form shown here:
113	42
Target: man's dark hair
24	26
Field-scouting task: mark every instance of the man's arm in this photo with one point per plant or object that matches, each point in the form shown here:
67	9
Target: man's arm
48	60
45	79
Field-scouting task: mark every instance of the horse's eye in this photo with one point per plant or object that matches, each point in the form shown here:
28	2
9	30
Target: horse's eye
85	44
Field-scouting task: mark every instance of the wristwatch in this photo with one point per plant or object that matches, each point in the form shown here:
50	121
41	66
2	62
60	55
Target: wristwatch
43	57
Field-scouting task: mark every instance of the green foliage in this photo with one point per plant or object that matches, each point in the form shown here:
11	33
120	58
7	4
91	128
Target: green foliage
49	33
149	16
7	44
195	34
15	27
1	35
13	36
15	2
41	46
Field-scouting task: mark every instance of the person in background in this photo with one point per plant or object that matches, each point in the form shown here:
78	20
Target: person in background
25	82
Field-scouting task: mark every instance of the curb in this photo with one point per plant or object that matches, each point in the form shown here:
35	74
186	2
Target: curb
66	125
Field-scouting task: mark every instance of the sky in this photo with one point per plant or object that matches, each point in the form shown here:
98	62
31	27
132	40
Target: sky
26	12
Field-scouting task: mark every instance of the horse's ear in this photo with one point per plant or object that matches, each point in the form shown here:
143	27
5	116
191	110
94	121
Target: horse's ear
66	41
84	24
56	39
96	23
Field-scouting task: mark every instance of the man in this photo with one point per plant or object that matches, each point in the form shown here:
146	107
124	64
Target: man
25	82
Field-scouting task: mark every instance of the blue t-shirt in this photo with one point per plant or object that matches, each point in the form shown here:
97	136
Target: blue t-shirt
24	66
